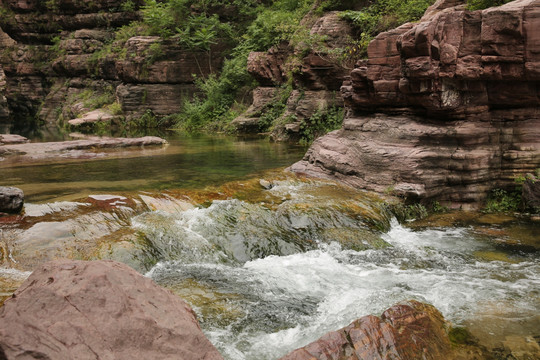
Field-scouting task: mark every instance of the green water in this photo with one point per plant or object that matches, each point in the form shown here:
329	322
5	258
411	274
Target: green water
192	161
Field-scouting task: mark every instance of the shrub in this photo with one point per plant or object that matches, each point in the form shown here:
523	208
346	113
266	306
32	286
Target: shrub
500	200
384	15
484	4
320	123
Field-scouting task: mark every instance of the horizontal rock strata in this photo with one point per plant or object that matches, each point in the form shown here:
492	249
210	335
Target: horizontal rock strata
58	54
445	109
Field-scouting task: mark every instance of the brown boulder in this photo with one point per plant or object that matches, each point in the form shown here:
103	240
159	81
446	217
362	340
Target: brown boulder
268	68
100	310
407	331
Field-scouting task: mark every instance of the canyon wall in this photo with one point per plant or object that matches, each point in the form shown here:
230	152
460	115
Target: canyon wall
315	73
64	58
444	109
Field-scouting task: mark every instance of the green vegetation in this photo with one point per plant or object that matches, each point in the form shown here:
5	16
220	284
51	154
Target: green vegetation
222	96
404	212
461	336
384	15
484	4
320	123
505	200
273	111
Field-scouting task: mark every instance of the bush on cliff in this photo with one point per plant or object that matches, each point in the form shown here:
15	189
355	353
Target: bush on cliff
222	95
484	4
384	15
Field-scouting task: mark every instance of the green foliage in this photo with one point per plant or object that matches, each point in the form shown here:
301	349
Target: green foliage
404	212
500	200
461	336
115	108
93	98
383	15
484	4
273	111
320	123
56	47
437	208
146	121
128	6
52	5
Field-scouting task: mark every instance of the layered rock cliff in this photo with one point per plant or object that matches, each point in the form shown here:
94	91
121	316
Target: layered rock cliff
315	72
444	109
64	58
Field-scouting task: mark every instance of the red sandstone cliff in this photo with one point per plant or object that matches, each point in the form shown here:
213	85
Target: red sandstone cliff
53	54
444	109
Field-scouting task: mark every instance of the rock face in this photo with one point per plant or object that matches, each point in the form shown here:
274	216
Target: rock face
530	194
61	55
444	109
11	199
100	310
407	331
319	74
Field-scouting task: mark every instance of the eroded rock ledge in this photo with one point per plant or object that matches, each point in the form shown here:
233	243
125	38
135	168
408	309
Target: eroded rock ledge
445	109
86	148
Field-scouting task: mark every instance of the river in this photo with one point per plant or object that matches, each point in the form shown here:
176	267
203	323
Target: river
271	268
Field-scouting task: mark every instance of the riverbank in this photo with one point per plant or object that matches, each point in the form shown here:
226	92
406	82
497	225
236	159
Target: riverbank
270	268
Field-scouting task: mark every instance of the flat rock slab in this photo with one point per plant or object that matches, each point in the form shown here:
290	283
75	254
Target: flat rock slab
11	199
6	139
98	310
84	148
92	117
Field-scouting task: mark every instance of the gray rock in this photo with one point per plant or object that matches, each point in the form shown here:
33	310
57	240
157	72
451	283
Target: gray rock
11	199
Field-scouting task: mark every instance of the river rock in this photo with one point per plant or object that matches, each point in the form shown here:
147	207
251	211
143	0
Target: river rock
11	199
12	139
445	109
98	310
91	117
407	331
530	193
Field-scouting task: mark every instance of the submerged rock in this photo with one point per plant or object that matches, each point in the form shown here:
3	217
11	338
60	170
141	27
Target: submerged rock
409	330
11	199
101	309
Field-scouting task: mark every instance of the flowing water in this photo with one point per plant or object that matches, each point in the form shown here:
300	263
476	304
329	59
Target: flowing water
270	269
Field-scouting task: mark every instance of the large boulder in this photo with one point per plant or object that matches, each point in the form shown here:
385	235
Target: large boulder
407	331
11	199
98	310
